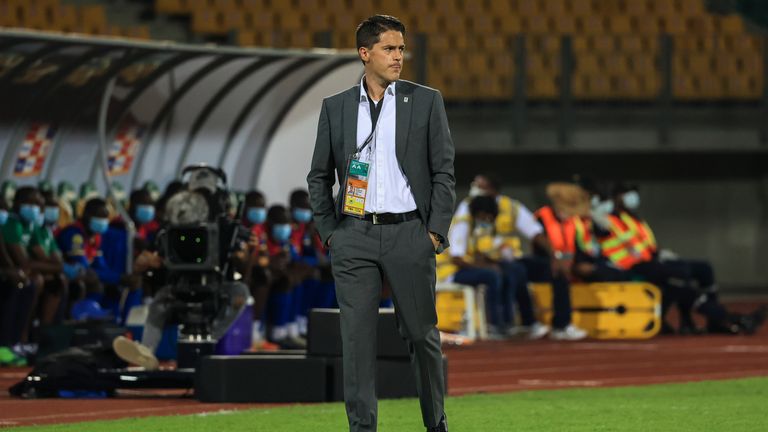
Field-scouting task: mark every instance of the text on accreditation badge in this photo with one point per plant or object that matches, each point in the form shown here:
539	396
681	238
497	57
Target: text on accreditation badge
356	188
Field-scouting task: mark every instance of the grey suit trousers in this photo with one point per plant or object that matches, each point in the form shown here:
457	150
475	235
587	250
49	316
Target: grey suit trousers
362	254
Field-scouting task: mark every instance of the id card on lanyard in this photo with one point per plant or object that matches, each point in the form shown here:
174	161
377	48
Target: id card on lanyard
356	184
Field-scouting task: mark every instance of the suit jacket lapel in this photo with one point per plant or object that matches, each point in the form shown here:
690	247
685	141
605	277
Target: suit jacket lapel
351	104
404	102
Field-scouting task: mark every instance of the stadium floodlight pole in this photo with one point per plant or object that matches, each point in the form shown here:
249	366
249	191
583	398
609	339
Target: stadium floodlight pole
103	155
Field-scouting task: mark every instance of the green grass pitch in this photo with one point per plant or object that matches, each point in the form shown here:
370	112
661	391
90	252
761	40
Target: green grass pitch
734	405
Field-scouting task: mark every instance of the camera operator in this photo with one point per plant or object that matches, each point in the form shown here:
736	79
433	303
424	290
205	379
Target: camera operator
184	209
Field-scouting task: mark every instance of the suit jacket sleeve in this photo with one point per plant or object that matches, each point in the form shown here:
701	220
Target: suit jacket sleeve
441	155
320	179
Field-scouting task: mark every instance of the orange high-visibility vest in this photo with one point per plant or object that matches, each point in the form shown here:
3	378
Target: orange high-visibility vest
562	235
644	232
633	237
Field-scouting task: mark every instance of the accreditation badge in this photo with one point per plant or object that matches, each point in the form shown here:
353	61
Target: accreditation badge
356	187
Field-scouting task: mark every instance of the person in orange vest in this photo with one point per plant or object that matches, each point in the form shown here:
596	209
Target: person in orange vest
606	253
568	201
698	274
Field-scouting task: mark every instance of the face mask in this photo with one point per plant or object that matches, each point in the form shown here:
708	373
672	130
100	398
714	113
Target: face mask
40	220
99	225
302	215
3	217
256	215
29	212
631	200
483	228
604	208
475	191
281	232
51	215
145	213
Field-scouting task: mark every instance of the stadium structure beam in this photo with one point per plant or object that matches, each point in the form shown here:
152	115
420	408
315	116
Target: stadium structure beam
202	117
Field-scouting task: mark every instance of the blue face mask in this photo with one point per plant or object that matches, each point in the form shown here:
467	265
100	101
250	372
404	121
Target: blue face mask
631	200
29	212
604	208
256	215
51	215
145	213
40	220
281	232
99	225
3	217
301	215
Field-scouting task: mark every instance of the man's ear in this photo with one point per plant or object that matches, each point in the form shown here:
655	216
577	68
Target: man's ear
363	53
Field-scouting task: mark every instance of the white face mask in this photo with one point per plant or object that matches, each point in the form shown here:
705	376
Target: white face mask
475	191
631	200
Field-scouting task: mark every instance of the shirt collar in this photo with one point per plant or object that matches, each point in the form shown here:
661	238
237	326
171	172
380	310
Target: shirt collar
364	96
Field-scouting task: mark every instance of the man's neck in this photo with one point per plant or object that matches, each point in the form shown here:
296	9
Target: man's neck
375	88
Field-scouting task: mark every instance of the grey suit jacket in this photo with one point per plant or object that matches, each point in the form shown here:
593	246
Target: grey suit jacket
424	150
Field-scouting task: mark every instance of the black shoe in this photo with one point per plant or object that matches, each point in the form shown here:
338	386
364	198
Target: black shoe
748	324
441	427
689	329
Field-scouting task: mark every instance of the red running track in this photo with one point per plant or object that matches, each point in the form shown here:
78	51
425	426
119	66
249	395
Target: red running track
485	367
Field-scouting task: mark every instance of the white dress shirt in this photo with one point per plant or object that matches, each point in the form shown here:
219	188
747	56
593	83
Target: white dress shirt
388	189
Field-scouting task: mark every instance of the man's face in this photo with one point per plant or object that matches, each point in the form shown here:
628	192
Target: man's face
384	61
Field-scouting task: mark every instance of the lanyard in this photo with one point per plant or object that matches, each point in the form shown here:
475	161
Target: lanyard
375	110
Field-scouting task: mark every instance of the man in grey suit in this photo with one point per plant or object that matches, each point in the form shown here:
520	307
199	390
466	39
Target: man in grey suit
390	225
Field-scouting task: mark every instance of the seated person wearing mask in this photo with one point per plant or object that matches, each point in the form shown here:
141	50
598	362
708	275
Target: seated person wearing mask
81	244
29	248
316	290
473	258
543	266
606	252
255	218
11	279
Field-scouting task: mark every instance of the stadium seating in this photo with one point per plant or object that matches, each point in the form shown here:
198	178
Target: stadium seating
616	44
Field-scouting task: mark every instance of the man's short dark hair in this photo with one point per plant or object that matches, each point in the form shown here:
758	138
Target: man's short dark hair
26	194
298	198
367	34
92	206
484	204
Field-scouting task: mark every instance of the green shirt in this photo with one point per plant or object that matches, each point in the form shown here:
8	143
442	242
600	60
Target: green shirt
44	237
16	231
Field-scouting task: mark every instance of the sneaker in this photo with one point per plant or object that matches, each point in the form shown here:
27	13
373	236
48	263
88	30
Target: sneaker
538	331
135	353
569	333
263	345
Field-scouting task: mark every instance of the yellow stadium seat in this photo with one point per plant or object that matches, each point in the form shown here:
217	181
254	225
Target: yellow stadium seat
497	44
619	24
643	63
530	8
208	21
683	87
343	40
537	24
732	24
616	64
292	21
645	25
700	25
555	7
581	7
591	24
438	42
319	21
673	24
637	8
503	63
300	39
477	62
539	63
510	24
603	43
93	19
457	23
547	44
741	87
563	24
428	23
692	7
67	17
483	24
542	87
500	8
589	63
